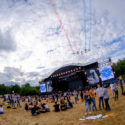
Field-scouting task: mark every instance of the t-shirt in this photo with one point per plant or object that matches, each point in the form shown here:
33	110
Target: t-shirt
75	94
92	93
46	106
88	98
106	95
1	110
100	92
112	86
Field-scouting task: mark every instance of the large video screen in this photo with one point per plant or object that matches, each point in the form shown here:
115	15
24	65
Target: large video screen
43	88
49	87
106	73
92	76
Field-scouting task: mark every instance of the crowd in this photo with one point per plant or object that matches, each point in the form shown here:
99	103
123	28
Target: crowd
63	101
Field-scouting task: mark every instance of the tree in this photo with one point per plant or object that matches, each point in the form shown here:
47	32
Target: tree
119	68
16	88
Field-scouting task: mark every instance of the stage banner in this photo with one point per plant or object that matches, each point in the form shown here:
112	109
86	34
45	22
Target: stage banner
106	73
92	76
43	88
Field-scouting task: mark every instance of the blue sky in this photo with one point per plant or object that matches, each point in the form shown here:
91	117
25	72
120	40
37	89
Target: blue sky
33	43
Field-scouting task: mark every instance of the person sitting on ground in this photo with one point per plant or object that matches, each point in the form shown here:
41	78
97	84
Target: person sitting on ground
63	105
56	107
26	107
35	110
42	108
45	107
69	104
1	109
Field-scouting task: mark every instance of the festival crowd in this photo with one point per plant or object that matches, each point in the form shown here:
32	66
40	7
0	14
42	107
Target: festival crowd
63	101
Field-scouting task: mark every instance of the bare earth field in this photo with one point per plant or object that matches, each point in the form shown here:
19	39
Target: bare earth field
69	117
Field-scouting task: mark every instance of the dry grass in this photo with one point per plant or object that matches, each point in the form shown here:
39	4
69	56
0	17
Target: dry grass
69	117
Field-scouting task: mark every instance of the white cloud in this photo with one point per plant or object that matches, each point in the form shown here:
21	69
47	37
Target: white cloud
35	30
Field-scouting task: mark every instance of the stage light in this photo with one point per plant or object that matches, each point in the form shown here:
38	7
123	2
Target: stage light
79	67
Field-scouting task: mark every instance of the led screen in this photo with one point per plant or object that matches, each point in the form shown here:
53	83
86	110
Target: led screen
106	73
43	88
92	76
49	88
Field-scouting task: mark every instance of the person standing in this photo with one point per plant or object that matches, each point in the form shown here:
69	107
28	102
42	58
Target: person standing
75	94
100	95
112	89
81	95
106	98
92	95
121	85
87	102
116	91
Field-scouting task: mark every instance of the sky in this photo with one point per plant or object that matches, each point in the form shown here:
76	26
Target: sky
39	36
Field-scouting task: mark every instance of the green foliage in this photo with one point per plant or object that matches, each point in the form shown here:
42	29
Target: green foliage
119	68
16	89
25	90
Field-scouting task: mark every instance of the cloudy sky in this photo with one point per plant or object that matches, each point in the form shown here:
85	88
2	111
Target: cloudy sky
39	36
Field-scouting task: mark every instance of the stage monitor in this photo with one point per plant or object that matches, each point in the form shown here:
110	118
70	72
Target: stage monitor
106	73
92	76
43	88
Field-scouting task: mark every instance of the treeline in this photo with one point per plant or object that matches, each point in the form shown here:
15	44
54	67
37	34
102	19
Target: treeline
119	68
25	90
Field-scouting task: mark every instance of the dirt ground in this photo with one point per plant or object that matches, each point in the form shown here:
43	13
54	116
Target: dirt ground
70	117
